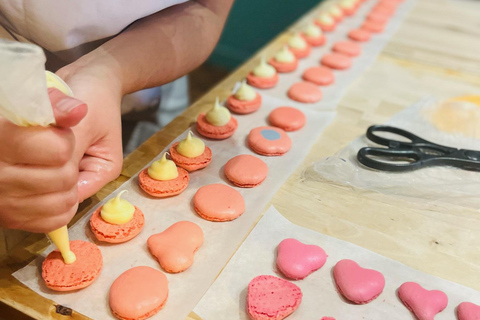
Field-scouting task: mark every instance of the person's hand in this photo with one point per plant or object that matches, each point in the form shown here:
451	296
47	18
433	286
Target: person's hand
38	173
99	136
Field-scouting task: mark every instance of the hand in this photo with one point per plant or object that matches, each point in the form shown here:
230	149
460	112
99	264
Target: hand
38	174
98	137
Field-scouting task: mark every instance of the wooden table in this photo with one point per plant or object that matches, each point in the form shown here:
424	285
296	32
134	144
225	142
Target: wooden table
436	51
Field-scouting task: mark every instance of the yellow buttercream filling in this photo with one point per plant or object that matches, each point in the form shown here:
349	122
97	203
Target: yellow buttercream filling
60	238
245	92
264	70
285	56
117	210
163	169
218	115
297	42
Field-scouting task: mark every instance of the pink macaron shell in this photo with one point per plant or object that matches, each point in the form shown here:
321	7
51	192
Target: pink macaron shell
272	298
357	284
269	141
246	171
325	27
287	118
138	293
360	35
296	260
423	303
377	18
349	48
321	75
468	311
216	132
374	27
305	92
218	202
301	53
337	61
262	83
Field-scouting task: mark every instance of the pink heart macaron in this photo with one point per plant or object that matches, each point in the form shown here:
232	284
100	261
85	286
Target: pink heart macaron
423	303
358	284
272	298
468	311
297	260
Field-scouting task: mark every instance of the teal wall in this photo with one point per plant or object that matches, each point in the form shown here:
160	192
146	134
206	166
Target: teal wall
251	24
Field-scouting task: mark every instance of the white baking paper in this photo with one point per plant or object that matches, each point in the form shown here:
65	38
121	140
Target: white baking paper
427	185
256	256
221	238
343	78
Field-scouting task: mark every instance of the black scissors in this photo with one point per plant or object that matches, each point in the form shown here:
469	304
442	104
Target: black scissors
414	154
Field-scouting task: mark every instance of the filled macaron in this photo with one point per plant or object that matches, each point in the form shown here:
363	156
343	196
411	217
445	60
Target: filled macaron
326	22
163	178
284	61
263	76
314	36
191	153
299	46
217	123
244	100
117	220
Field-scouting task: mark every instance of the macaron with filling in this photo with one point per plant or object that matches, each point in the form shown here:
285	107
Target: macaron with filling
246	171
163	178
299	47
326	22
313	35
191	153
217	123
284	61
263	76
117	220
245	100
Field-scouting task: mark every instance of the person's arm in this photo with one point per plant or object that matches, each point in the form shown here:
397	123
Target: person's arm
159	48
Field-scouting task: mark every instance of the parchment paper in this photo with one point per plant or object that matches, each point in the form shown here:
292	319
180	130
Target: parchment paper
221	238
343	78
444	184
256	256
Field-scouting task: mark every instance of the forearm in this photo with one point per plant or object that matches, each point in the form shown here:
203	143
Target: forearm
159	48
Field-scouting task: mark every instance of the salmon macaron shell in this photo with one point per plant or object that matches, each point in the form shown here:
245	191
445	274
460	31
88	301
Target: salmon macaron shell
138	293
262	83
374	27
283	67
337	61
360	35
218	202
116	233
163	189
216	132
287	118
349	48
321	75
60	276
243	106
315	41
269	141
246	171
305	92
190	164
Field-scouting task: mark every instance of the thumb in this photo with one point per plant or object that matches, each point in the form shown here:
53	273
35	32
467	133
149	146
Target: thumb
68	111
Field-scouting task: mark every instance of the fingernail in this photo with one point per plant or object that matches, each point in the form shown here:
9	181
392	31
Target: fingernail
67	104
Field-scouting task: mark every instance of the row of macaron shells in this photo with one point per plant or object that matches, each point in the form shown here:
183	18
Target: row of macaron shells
296	260
265	75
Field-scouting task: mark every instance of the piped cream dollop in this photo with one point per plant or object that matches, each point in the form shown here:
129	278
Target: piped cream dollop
218	115
297	42
163	169
312	31
117	210
335	11
347	4
264	70
191	147
285	56
245	92
325	19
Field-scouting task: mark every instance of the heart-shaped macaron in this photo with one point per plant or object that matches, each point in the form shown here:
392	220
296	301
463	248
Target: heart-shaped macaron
468	311
297	260
357	284
272	298
423	303
175	247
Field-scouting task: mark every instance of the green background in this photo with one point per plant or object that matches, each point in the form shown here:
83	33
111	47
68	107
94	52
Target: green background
251	24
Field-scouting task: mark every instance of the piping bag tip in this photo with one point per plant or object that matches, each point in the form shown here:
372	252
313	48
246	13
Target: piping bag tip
60	238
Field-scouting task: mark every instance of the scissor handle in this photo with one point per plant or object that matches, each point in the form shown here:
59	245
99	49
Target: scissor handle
392	143
395	157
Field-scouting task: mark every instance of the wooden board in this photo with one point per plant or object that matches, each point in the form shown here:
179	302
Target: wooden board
436	51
